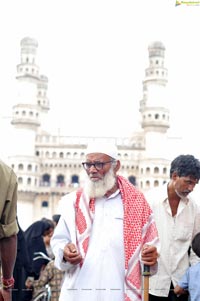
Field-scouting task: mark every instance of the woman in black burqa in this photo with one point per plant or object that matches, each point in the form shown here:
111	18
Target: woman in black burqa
34	237
22	267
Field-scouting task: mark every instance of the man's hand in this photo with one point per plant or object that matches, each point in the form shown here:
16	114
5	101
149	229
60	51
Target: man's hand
149	255
71	254
179	290
5	295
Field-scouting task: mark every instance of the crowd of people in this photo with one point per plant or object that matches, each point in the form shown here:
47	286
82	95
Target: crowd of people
106	233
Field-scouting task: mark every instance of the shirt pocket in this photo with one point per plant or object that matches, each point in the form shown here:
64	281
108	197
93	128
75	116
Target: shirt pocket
184	232
118	216
116	230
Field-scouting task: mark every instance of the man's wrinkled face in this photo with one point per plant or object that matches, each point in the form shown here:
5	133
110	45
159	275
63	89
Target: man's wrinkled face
101	178
184	185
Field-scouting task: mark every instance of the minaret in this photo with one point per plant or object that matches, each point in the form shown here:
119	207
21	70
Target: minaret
26	112
32	104
43	102
154	161
153	106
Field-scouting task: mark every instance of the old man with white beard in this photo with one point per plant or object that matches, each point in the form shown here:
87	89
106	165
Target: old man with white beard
105	233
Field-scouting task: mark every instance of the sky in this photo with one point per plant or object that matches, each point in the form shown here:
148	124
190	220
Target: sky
94	54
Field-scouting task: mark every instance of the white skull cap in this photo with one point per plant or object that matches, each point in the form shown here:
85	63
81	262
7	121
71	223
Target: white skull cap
103	147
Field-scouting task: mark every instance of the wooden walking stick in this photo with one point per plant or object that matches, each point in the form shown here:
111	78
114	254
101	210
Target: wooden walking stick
146	274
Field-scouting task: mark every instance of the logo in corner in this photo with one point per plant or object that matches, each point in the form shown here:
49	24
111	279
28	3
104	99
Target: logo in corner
188	3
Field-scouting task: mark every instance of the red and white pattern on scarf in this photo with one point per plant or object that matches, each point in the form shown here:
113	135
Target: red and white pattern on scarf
139	229
84	219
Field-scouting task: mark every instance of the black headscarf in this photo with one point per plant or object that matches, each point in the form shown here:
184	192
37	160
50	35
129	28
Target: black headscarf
34	239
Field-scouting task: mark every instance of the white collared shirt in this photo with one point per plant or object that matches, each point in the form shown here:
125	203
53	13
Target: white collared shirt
175	234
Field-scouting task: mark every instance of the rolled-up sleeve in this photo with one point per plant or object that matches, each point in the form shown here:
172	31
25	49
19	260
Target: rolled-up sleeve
8	202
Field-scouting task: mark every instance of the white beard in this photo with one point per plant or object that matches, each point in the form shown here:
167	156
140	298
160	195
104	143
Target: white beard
99	188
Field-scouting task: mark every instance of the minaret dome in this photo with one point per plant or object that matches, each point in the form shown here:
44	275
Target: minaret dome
156	48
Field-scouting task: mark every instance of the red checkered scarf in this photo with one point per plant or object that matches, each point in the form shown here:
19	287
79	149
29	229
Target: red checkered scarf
139	228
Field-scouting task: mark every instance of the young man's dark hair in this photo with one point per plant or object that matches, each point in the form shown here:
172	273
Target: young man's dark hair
186	165
196	244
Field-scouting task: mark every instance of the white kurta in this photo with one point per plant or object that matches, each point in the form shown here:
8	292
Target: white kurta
101	278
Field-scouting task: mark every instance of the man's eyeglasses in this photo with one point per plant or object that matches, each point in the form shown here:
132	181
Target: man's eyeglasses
97	165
